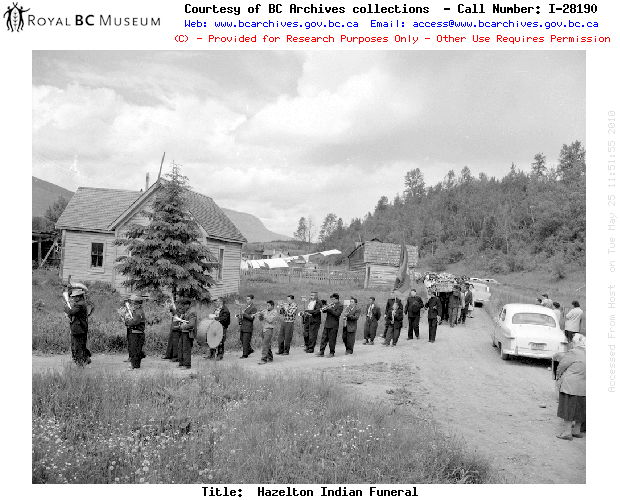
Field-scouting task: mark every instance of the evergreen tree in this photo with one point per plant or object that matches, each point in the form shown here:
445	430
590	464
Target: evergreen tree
167	254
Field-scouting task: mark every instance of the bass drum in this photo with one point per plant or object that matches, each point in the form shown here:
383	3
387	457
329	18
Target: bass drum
210	332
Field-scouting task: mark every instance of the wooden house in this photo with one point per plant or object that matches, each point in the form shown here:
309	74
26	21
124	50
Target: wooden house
95	217
250	252
380	261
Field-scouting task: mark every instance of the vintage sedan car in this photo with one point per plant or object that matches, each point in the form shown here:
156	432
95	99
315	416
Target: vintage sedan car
528	330
480	293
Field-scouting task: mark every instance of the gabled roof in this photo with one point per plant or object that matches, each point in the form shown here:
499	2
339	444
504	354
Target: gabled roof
95	209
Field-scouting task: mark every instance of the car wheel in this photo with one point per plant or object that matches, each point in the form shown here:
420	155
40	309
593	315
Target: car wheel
502	354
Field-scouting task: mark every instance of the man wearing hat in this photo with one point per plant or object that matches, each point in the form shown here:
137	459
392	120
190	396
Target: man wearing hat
135	331
434	314
78	319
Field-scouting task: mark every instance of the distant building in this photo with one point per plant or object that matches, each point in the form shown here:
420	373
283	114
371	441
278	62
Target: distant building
380	261
250	252
94	218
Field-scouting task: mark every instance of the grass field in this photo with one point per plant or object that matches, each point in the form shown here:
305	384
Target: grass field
225	425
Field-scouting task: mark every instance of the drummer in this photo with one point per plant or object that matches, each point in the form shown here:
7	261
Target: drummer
222	314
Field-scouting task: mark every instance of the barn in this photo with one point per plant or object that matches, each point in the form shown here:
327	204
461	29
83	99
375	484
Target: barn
95	217
380	261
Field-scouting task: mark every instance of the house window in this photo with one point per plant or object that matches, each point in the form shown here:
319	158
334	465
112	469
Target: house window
220	270
96	255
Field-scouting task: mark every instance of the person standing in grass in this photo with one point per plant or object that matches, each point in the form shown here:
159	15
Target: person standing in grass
373	314
172	350
330	328
395	322
349	329
434	314
78	319
572	322
246	326
136	326
188	333
388	307
312	318
413	306
223	317
269	318
288	311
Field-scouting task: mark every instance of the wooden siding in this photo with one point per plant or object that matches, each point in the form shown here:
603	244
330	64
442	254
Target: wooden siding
378	276
230	274
356	259
77	252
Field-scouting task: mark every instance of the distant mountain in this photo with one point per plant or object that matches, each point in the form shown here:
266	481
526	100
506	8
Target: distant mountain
252	228
44	194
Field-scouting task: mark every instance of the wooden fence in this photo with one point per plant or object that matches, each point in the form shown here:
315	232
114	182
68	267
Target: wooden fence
340	279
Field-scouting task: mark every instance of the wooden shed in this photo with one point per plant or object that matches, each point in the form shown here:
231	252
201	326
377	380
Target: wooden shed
95	217
380	262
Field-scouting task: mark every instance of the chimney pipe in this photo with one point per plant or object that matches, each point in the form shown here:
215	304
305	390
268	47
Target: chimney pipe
147	180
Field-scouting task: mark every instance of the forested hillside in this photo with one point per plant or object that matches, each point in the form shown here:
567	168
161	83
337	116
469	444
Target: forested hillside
515	223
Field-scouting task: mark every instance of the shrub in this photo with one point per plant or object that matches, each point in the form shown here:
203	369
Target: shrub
557	267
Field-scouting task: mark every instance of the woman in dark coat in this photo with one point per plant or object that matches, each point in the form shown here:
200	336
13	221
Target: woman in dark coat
571	372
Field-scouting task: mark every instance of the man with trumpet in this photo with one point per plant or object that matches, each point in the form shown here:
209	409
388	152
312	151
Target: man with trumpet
246	325
288	311
135	321
78	319
349	329
333	310
311	319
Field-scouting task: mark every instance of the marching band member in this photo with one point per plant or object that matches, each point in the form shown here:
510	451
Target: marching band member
373	314
246	326
413	306
78	319
312	322
330	328
188	333
172	350
388	307
394	321
135	323
288	310
269	318
222	314
351	314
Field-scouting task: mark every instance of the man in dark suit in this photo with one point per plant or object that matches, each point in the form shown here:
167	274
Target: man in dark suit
468	301
394	320
412	310
78	319
246	325
434	314
373	314
388	308
349	329
312	321
330	328
222	314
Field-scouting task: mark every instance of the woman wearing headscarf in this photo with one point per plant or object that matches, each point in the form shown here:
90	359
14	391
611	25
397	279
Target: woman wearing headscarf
571	372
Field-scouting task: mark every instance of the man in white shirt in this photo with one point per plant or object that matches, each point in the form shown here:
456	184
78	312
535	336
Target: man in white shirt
572	322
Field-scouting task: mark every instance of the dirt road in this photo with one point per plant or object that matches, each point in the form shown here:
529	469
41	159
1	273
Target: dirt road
503	409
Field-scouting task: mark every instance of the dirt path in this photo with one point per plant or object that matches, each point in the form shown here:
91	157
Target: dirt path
503	409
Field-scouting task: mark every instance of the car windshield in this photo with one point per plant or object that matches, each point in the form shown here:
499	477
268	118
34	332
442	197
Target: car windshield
533	319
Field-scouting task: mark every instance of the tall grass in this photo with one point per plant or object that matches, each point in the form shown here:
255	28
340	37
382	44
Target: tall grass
225	425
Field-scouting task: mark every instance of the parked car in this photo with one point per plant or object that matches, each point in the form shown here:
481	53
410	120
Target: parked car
490	280
480	293
528	330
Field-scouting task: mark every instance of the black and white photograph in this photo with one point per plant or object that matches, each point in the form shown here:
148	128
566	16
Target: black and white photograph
320	267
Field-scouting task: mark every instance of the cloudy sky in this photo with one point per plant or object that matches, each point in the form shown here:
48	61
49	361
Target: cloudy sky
285	134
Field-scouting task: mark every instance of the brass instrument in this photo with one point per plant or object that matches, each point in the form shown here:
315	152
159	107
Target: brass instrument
129	312
350	304
328	306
